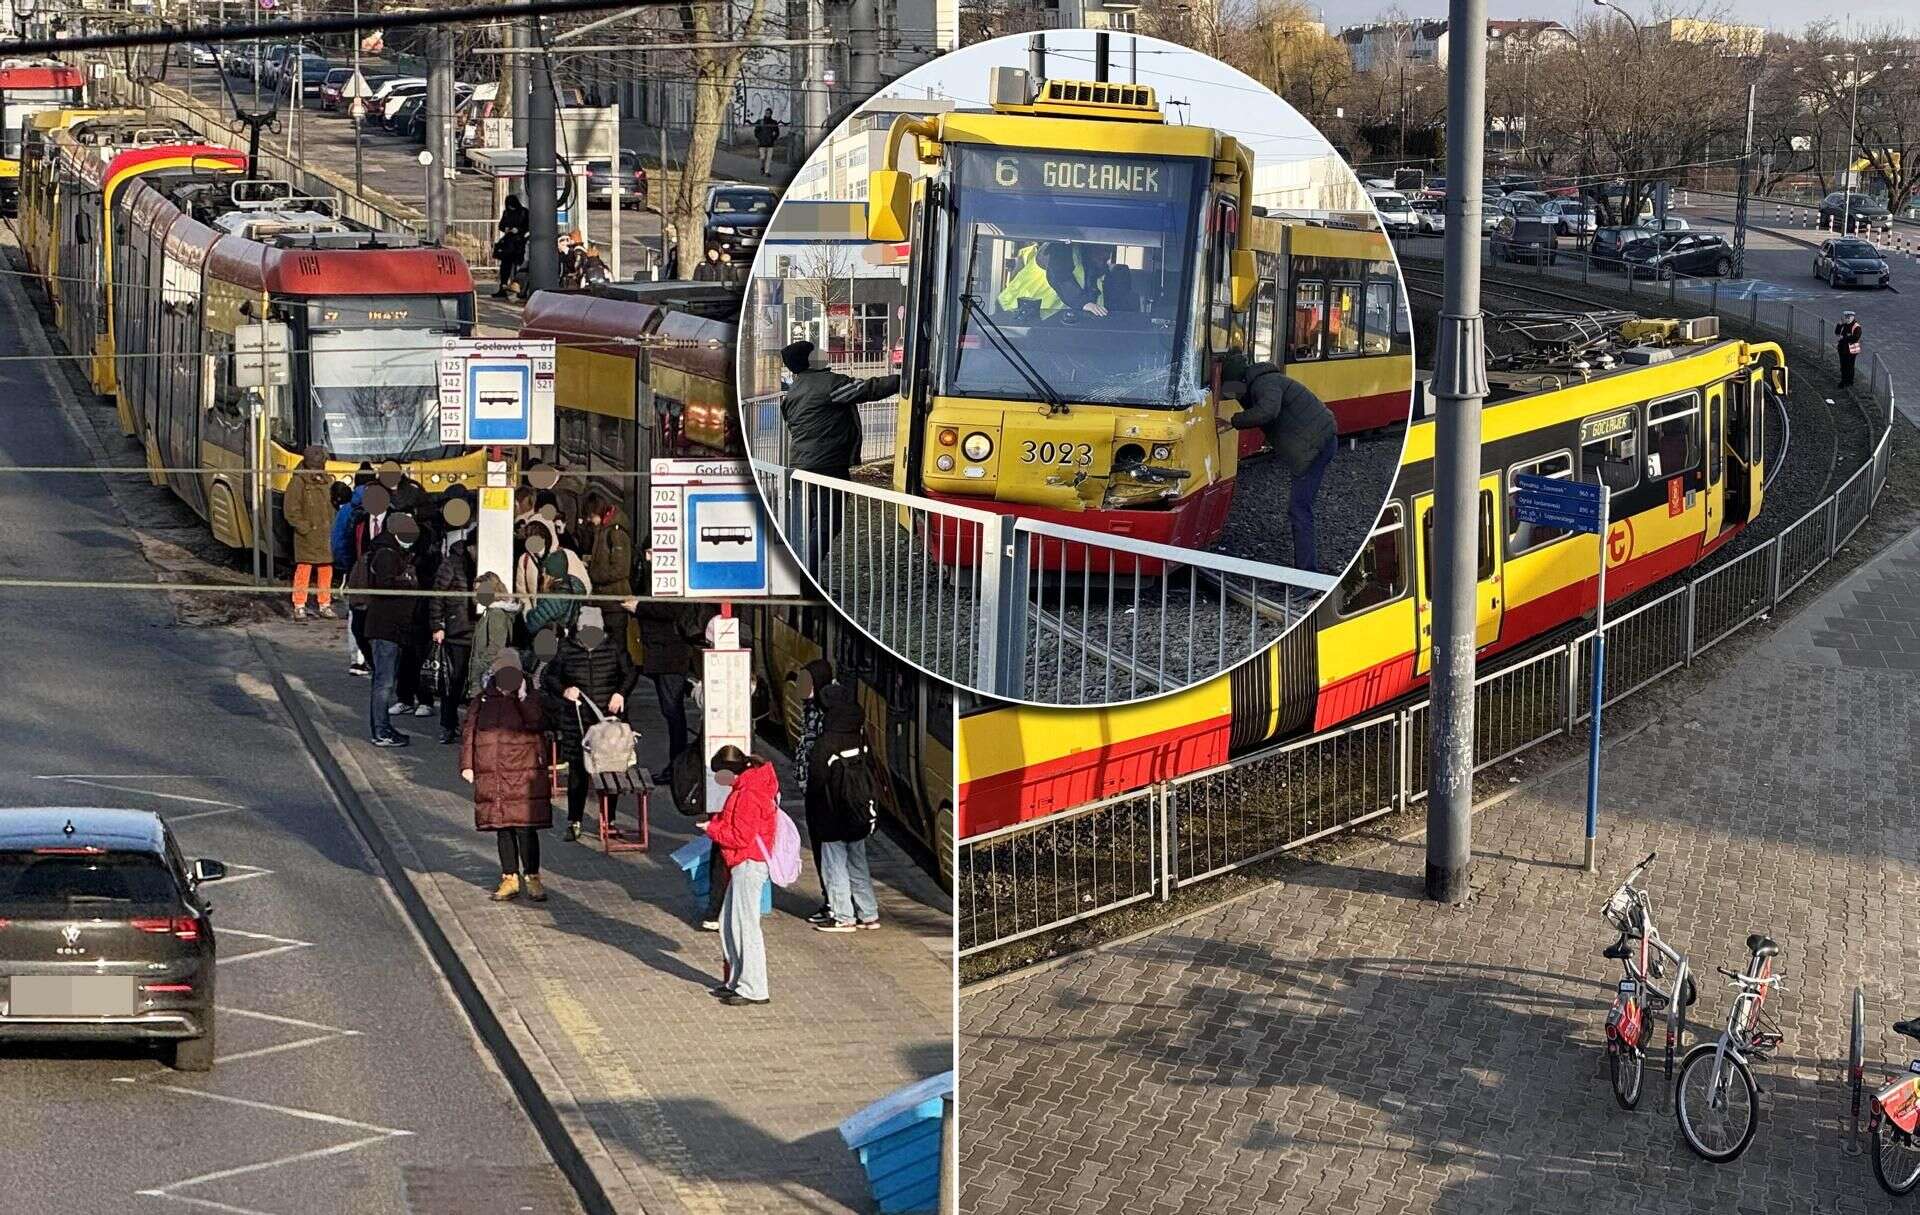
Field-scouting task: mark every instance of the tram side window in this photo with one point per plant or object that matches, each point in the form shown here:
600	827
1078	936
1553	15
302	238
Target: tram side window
1610	451
1266	307
1379	574
1378	337
1673	436
1343	320
1484	560
229	400
1226	220
1523	536
1309	320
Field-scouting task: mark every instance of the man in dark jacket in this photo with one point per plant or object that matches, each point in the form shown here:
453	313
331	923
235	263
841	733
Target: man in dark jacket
610	562
390	567
766	134
810	682
821	411
590	668
1299	427
451	620
667	631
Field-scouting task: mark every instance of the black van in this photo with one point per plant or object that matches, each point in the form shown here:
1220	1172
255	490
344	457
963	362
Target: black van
1525	239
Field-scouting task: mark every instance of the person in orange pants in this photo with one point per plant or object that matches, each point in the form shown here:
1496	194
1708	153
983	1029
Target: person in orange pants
309	509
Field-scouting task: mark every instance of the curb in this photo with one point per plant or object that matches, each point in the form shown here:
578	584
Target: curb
576	1150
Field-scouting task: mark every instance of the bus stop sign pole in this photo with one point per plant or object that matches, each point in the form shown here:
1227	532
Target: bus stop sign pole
1578	506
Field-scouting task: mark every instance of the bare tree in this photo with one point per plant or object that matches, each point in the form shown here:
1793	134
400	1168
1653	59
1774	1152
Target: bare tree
715	69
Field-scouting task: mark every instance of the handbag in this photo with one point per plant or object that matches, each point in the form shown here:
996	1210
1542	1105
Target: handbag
436	671
1853	348
608	745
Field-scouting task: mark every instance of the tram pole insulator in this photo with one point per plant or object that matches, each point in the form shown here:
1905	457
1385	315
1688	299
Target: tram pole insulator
1460	386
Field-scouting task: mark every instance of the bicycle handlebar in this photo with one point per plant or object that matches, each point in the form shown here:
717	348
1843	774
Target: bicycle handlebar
1745	980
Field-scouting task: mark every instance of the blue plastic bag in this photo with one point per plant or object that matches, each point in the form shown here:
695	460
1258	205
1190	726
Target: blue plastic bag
695	858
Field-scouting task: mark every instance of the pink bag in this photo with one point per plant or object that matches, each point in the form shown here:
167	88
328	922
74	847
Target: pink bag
783	863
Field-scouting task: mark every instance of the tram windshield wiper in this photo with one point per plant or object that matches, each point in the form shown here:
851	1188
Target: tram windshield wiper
1002	343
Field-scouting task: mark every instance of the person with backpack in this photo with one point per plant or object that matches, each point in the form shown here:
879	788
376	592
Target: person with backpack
390	567
744	834
559	604
808	682
842	799
451	620
589	679
504	755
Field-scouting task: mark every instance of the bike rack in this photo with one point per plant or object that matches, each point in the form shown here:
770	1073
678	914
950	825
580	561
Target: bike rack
1856	1066
1676	1024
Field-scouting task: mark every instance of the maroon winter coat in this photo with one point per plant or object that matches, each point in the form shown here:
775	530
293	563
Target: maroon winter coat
505	743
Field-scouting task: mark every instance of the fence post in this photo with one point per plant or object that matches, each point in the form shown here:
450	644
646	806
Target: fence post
1778	559
1753	310
1168	864
1713	299
800	519
1833	526
1573	686
1673	286
1403	756
1691	586
1005	565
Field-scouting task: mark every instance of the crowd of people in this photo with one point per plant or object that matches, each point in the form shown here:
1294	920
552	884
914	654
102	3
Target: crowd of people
518	674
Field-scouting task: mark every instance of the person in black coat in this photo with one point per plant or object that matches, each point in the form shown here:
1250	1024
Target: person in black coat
821	411
1300	429
511	247
837	826
390	567
450	620
590	667
1846	340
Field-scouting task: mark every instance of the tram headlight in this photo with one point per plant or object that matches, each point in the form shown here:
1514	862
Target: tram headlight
977	447
948	436
944	463
1163	451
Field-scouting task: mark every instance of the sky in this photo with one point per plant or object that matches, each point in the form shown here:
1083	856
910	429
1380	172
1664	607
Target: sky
1217	96
1786	16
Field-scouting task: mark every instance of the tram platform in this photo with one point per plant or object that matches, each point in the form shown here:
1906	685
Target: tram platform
673	1101
1334	1042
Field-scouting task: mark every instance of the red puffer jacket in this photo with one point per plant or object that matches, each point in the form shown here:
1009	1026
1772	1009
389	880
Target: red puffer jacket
743	830
504	742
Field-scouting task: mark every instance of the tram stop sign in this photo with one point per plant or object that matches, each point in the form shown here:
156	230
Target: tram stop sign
496	393
709	537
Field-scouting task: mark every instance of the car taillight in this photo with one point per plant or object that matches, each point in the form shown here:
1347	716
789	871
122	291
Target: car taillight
184	927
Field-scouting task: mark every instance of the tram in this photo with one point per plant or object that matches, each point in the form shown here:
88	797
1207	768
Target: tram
1672	421
35	207
28	88
645	370
156	247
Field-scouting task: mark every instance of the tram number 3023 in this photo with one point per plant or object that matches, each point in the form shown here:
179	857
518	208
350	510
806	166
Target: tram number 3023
1033	452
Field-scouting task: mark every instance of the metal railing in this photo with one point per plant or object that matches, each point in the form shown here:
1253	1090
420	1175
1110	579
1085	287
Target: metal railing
1291	794
1025	609
767	438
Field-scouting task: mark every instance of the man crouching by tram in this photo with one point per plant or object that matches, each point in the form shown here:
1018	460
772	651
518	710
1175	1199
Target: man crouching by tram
1298	426
821	411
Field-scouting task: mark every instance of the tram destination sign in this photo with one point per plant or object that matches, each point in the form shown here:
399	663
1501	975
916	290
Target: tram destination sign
1576	506
1102	176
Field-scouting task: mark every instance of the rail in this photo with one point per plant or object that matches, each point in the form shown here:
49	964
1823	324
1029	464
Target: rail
1078	863
1024	609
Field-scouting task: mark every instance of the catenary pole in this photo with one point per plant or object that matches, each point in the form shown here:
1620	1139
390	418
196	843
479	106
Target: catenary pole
1746	180
1459	387
543	199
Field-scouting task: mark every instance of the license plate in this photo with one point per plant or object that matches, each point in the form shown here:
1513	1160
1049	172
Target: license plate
71	996
1628	987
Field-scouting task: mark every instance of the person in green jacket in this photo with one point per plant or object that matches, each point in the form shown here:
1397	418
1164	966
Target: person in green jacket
559	606
493	632
610	563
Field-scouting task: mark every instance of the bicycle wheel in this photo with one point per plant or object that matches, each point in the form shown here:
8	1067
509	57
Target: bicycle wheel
1625	1067
1717	1126
1896	1158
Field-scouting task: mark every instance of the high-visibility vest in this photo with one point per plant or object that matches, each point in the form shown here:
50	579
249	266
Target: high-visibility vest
1029	282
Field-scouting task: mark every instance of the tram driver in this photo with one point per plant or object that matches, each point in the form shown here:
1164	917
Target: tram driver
1068	275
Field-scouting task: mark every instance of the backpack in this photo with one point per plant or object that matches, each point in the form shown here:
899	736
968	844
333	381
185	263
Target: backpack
783	863
357	579
853	788
606	746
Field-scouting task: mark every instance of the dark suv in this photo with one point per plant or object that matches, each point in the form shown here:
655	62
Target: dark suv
1525	238
1860	214
737	218
104	933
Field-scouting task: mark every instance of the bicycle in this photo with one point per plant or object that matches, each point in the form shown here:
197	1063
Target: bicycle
1717	1117
1893	1114
1630	909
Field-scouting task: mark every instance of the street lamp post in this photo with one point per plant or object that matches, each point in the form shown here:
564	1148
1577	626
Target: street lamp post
1846	162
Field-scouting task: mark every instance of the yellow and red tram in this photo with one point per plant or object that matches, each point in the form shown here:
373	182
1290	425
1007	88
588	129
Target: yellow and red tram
1676	430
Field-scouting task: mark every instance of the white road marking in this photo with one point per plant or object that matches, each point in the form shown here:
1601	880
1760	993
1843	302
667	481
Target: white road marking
291	1111
122	776
252	871
296	1022
171	797
242	1170
280	945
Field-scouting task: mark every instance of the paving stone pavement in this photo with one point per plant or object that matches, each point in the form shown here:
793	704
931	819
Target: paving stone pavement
682	1105
1336	1043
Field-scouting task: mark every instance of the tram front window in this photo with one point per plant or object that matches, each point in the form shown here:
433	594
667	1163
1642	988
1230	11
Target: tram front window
1075	277
376	392
18	105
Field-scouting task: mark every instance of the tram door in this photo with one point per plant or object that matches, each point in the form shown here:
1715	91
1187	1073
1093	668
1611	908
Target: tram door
1716	469
1738	424
1489	589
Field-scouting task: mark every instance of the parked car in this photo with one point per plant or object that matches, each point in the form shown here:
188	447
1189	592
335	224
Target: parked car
1848	261
1683	254
106	933
1672	223
1858	212
384	109
1396	214
1525	239
1571	216
633	180
1514	206
1509	182
1430	216
333	89
737	218
404	113
311	73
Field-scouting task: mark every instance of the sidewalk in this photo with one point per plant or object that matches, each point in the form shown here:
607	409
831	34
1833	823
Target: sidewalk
676	1103
1334	1042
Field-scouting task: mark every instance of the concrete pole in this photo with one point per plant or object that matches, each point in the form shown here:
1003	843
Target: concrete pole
1101	56
517	83
863	47
818	97
543	197
1037	60
439	110
1459	388
1746	184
